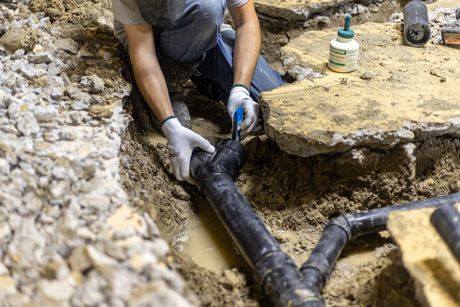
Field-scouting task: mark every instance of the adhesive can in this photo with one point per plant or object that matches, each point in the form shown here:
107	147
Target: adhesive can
344	50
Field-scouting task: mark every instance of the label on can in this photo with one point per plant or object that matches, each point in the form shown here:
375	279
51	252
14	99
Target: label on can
343	60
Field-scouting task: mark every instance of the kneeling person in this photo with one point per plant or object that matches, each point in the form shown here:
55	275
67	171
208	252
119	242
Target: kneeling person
170	41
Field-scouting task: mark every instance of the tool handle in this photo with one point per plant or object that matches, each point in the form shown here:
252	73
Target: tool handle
238	118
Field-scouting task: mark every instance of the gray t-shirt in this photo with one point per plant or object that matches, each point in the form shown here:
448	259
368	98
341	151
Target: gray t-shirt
126	12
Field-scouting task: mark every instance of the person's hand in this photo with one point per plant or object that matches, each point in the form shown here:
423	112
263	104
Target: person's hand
239	97
181	142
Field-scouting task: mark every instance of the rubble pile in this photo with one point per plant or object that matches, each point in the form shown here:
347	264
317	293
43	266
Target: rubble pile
68	233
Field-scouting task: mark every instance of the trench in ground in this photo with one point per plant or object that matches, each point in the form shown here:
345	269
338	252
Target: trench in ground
295	197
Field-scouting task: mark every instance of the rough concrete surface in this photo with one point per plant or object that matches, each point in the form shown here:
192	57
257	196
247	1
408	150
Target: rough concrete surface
427	257
397	95
294	10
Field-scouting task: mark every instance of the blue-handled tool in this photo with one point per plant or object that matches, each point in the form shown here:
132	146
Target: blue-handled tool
238	118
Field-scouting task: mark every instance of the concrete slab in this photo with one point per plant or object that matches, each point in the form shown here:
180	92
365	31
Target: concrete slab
426	257
397	95
294	10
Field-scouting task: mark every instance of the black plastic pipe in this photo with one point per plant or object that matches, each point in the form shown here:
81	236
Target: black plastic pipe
317	269
274	270
446	221
417	31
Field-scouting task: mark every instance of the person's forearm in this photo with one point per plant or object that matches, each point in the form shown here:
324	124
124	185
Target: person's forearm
247	50
151	83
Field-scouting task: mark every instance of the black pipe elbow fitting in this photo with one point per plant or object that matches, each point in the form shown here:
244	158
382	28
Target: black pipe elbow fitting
318	267
228	158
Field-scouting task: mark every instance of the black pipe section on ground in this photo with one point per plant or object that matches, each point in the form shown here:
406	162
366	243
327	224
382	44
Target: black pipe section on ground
317	269
446	221
274	270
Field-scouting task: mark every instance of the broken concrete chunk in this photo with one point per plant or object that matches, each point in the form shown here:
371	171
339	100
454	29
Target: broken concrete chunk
45	113
426	257
68	45
22	38
56	290
396	103
294	10
93	84
99	111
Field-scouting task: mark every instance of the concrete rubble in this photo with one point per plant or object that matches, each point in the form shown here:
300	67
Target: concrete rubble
426	257
68	233
398	94
303	10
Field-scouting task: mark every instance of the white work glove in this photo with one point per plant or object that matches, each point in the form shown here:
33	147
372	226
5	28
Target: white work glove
181	142
239	97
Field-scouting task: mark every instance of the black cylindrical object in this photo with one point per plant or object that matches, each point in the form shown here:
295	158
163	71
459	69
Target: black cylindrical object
417	30
275	270
318	267
340	230
375	220
446	220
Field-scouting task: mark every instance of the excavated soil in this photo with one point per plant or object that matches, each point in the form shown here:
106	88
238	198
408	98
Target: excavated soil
294	196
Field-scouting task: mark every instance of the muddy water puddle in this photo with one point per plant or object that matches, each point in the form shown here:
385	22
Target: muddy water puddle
358	258
208	243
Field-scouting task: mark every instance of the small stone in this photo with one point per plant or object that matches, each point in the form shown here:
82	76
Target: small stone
68	45
51	136
76	118
368	75
80	105
374	8
436	72
38	49
231	279
127	221
98	258
79	260
96	202
59	189
4	167
14	110
139	262
55	87
180	193
56	290
156	293
93	83
45	113
7	285
322	21
85	53
27	125
40	58
56	68
99	111
5	231
3	269
30	72
14	39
